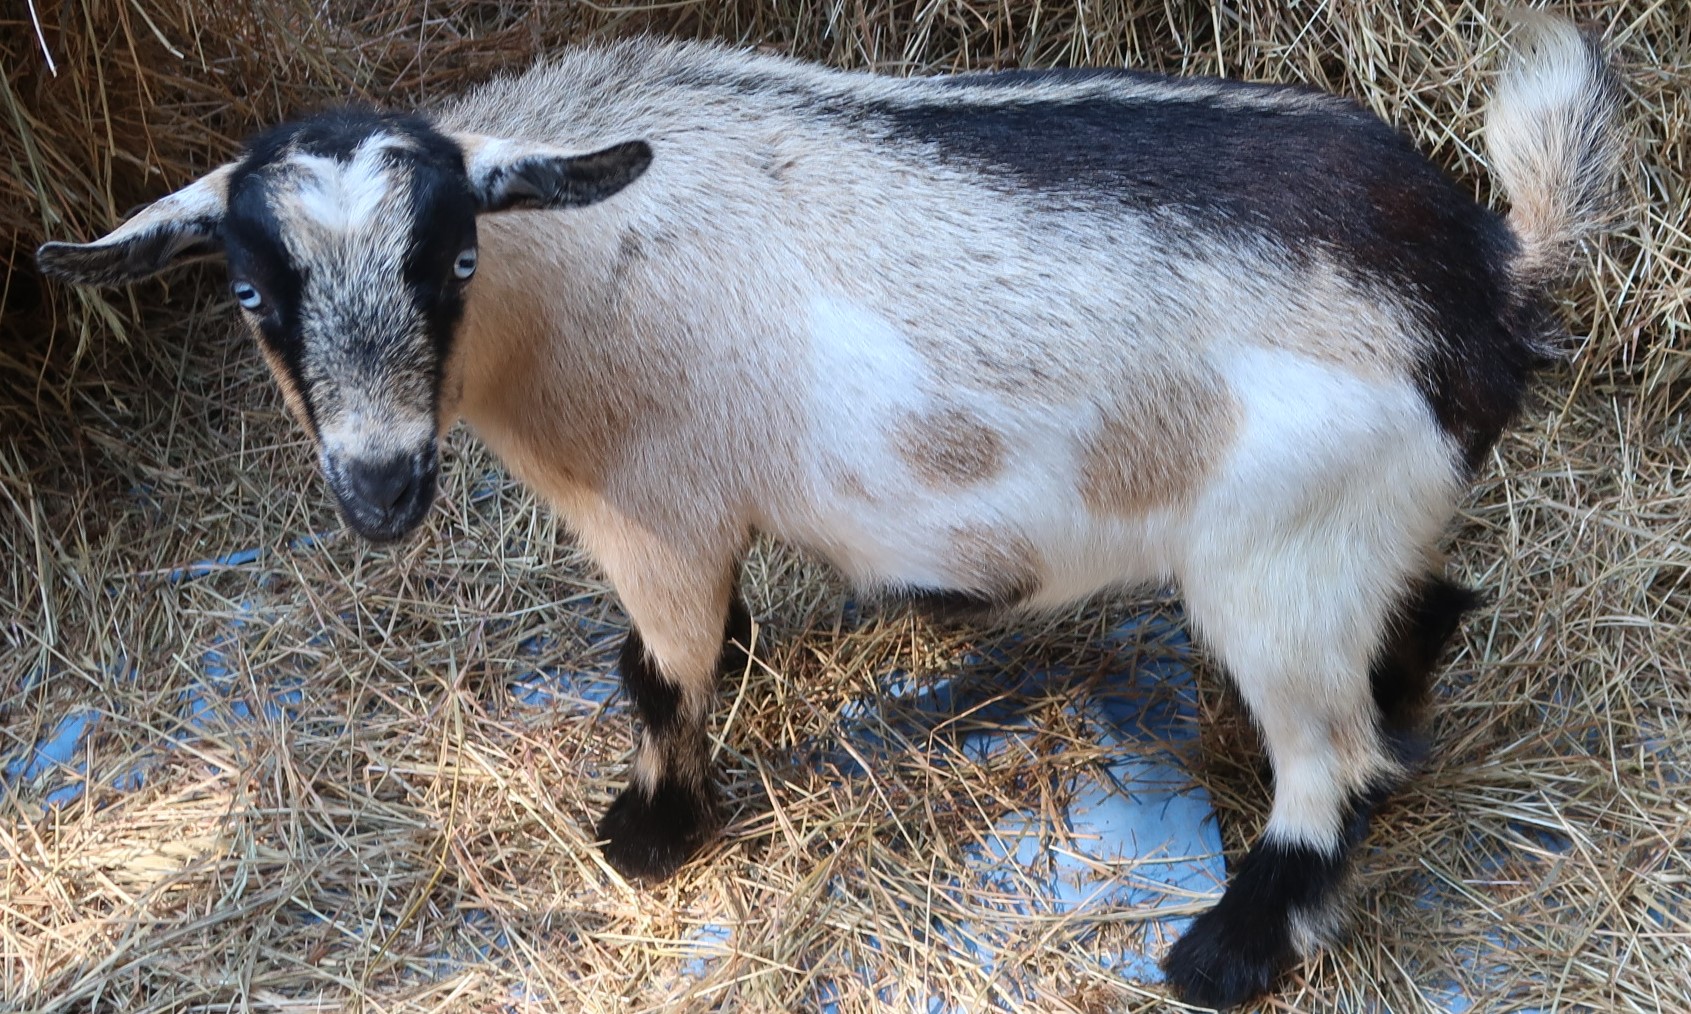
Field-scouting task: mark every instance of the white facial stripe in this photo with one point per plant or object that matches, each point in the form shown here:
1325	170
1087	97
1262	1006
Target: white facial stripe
347	196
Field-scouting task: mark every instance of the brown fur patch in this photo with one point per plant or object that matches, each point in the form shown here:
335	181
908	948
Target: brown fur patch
850	483
290	391
949	448
1154	447
1000	563
1326	318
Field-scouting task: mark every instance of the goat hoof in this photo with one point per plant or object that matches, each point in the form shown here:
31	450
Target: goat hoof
648	837
1223	962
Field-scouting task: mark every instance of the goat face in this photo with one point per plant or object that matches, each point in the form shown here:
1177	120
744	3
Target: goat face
350	240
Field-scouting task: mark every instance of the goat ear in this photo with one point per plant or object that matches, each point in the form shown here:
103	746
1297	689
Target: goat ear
515	174
184	226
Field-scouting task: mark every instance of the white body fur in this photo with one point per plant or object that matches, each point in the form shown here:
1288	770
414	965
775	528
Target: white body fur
788	335
782	333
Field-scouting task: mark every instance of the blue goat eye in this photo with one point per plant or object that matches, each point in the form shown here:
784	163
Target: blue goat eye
247	295
466	264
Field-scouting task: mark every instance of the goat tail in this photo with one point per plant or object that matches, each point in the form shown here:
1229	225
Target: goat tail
1553	143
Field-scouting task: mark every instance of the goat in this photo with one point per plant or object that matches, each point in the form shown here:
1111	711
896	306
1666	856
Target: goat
1000	339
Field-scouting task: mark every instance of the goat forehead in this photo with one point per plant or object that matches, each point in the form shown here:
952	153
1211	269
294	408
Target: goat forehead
347	221
359	207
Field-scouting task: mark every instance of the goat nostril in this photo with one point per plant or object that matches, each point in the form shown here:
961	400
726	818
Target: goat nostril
382	484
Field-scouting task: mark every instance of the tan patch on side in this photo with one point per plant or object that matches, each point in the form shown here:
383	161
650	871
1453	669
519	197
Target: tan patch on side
848	482
1324	317
290	391
996	562
1156	445
528	395
577	379
949	448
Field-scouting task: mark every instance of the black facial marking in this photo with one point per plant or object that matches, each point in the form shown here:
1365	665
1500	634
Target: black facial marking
256	253
443	225
1318	177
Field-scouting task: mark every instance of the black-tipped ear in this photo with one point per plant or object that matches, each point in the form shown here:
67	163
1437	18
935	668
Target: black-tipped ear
182	227
131	258
510	174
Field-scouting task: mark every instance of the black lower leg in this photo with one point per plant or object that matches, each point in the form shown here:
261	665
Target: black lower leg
649	833
1284	899
1402	673
1237	949
669	809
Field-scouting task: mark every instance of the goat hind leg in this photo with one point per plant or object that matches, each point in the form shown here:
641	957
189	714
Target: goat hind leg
1310	642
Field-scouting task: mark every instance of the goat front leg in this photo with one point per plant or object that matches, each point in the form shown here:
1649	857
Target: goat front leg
689	626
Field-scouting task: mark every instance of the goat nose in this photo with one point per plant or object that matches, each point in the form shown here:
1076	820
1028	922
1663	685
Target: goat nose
382	484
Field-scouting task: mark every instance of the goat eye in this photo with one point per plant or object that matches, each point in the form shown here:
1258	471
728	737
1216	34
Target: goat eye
247	295
465	266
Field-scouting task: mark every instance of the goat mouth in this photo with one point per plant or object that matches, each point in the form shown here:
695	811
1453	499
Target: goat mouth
384	526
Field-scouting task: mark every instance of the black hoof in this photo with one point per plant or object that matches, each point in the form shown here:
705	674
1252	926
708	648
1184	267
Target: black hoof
1222	962
649	837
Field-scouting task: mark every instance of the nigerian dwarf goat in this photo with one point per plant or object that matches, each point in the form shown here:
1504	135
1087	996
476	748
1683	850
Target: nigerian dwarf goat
1008	339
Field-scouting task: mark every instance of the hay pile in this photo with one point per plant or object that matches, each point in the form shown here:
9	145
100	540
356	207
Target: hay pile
305	776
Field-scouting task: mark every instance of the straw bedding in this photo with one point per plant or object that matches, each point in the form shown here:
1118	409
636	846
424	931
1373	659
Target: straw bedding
314	776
